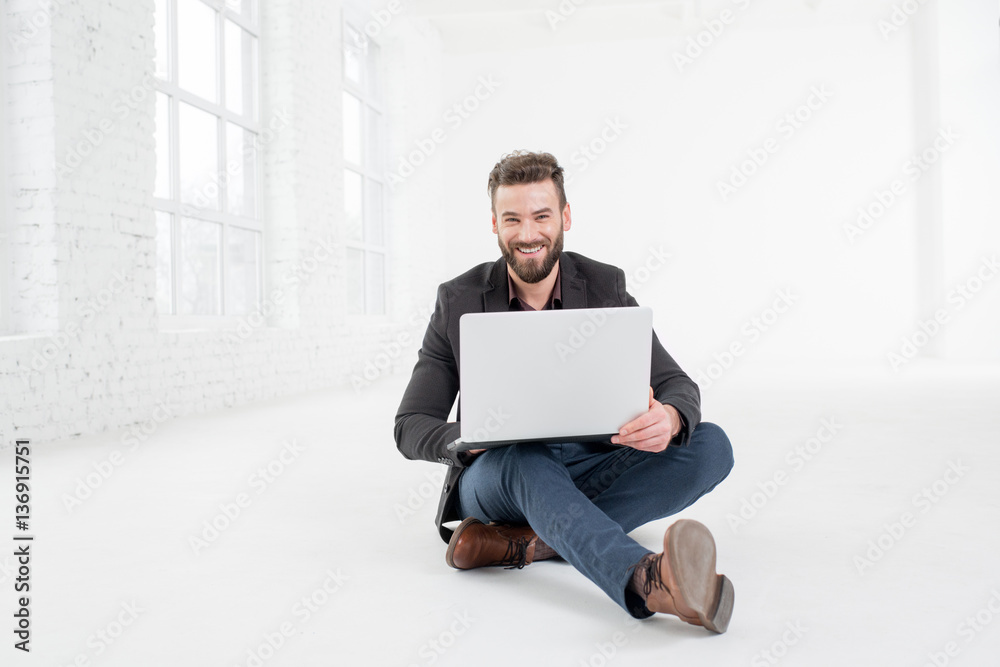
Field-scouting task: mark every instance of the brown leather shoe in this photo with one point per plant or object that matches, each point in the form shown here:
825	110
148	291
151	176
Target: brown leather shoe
682	580
476	544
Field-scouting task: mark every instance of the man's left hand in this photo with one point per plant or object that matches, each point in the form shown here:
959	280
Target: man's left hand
653	431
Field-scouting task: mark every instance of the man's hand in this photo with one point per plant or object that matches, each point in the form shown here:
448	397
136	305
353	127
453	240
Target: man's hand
653	431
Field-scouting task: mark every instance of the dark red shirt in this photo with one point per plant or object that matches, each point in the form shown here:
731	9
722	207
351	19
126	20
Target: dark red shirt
555	299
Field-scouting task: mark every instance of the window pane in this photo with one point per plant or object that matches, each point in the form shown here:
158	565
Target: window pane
355	281
164	265
244	7
250	75
373	213
200	292
354	53
162	135
371	69
373	151
353	197
240	171
162	37
242	270
234	67
199	157
196	62
352	128
241	56
375	282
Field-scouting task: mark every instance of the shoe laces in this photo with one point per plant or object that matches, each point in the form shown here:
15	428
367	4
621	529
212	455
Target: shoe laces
516	555
653	577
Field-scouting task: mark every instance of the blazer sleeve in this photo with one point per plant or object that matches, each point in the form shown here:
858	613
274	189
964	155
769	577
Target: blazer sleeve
670	384
421	430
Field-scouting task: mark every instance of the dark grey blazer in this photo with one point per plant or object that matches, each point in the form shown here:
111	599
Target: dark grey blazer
421	431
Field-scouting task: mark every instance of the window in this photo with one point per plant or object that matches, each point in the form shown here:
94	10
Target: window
207	194
364	191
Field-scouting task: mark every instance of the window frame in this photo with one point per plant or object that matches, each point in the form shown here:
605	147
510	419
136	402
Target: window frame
250	120
371	171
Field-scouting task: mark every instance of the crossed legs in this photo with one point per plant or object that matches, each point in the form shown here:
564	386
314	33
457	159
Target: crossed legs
582	499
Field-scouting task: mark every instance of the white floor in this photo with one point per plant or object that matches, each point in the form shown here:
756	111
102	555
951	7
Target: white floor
347	524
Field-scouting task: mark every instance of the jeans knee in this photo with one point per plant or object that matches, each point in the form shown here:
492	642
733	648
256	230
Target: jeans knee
715	444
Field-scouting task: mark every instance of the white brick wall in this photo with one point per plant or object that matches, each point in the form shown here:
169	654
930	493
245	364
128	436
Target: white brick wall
88	352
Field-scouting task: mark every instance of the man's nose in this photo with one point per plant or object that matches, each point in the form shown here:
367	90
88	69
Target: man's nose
528	231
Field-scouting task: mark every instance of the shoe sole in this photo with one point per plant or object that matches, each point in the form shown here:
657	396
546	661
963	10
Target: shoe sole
705	594
449	555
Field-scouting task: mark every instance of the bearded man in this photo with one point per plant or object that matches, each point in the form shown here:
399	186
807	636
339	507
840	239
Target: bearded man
578	501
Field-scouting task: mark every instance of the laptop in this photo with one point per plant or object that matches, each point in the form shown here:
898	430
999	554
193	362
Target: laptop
550	376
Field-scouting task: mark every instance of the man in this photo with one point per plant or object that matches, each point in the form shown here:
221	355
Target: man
578	501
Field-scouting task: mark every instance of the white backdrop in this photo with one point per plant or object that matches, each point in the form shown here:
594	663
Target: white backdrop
823	108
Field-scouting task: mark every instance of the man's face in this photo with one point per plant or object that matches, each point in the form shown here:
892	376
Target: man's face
529	228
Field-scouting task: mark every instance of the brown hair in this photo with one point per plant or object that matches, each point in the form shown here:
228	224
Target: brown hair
526	167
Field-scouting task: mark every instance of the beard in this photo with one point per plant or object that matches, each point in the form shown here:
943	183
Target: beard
529	269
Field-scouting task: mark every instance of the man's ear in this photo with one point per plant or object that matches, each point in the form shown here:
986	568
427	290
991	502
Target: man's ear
567	218
494	223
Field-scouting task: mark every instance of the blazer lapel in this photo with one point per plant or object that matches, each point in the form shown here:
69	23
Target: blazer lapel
495	296
574	287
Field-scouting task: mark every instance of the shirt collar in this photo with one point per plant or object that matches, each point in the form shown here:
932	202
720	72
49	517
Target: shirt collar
555	299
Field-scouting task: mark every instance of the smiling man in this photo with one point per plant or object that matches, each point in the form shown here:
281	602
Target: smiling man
529	502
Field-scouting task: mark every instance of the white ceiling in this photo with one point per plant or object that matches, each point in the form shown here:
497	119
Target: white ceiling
495	25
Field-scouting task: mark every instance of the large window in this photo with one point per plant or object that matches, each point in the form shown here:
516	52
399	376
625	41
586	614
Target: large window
364	190
207	191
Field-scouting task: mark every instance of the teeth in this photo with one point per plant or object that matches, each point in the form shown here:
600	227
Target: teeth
531	251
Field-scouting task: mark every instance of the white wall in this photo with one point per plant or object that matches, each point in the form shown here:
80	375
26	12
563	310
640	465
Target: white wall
87	351
686	128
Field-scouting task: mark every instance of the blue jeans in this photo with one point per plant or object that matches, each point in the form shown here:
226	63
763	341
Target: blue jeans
584	498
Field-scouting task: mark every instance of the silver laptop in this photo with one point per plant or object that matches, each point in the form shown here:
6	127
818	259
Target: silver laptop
552	376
